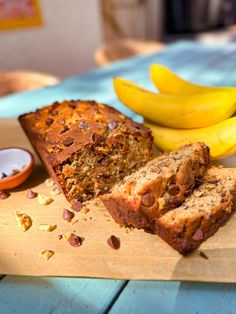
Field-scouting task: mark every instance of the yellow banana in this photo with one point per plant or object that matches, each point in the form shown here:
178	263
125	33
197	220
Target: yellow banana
221	137
168	82
183	112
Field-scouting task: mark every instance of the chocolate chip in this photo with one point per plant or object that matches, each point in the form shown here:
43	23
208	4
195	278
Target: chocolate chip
198	235
68	141
83	125
173	189
75	240
53	112
55	104
49	121
148	199
3	175
112	125
31	194
59	236
65	128
37	115
96	137
76	206
114	242
72	104
4	195
67	215
202	254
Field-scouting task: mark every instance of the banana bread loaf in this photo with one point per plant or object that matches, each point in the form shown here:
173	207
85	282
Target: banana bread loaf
162	184
85	146
203	212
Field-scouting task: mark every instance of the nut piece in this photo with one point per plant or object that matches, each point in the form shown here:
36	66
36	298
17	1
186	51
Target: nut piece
114	242
48	228
44	200
24	221
46	254
55	191
67	236
31	194
49	182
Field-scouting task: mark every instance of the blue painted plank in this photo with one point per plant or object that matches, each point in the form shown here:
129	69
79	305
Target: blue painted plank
36	295
174	297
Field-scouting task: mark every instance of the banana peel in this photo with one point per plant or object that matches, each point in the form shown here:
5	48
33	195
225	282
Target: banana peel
221	137
182	112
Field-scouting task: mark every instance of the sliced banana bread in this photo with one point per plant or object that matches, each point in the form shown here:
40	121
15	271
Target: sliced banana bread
203	212
162	184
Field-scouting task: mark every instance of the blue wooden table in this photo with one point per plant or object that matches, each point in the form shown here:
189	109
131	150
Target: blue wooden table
212	65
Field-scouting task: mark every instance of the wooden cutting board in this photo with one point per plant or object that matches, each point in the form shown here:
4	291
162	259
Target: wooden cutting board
141	255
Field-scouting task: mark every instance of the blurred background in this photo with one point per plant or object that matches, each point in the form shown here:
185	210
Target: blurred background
44	41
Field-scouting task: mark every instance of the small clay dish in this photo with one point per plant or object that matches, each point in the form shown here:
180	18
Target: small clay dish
16	165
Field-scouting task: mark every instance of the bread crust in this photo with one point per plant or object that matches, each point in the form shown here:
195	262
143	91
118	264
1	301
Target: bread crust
75	139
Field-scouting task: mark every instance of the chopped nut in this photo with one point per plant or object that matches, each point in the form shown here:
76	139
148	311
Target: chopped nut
49	182
46	254
55	191
67	236
48	228
24	221
44	200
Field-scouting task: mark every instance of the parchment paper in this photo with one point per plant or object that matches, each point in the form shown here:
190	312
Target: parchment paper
141	255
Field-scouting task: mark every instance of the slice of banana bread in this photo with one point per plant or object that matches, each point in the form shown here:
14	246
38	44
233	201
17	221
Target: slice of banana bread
87	147
203	212
162	184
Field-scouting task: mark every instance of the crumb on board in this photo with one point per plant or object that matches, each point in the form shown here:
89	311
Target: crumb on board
47	227
24	221
47	254
49	182
55	191
74	221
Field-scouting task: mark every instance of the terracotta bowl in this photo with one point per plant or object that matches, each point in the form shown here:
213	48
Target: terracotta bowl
14	160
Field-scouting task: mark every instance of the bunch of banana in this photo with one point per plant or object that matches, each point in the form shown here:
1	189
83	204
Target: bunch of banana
183	112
